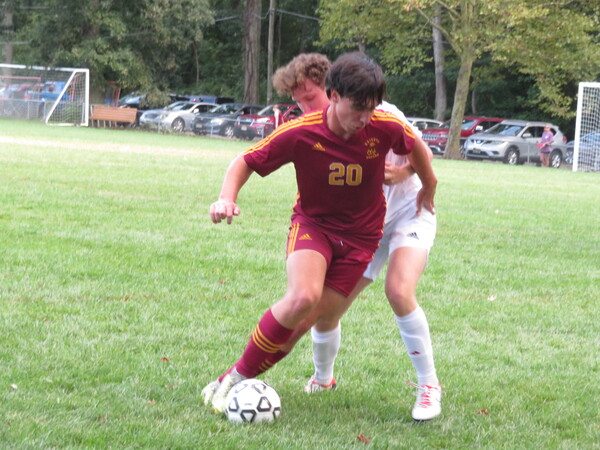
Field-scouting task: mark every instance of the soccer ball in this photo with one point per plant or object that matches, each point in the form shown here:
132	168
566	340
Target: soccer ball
252	401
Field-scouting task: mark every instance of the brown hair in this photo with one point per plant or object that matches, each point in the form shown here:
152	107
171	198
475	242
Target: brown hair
357	77
305	66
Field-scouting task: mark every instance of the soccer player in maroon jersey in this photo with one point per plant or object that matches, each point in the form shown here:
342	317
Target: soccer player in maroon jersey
339	157
406	242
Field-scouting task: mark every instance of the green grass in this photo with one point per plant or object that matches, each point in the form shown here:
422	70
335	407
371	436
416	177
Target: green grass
120	300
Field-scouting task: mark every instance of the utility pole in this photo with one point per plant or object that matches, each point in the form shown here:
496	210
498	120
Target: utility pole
270	51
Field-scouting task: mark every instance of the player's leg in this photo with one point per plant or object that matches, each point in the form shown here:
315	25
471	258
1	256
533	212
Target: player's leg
306	274
405	268
326	333
326	337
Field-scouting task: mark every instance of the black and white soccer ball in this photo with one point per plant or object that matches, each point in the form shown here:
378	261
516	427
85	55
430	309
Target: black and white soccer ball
252	401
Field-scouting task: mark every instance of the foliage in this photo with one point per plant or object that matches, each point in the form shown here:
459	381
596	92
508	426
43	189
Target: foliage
141	45
551	43
120	300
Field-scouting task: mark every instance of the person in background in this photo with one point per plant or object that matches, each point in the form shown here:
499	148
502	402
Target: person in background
545	145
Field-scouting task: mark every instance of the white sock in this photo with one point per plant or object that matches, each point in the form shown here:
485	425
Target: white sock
414	330
325	349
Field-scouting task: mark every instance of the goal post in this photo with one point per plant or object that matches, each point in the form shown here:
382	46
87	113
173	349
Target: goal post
55	95
586	146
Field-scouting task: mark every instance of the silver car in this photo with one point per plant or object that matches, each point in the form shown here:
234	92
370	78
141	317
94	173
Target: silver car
178	116
516	142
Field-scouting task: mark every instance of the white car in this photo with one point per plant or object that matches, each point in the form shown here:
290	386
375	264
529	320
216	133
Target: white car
516	142
422	124
178	116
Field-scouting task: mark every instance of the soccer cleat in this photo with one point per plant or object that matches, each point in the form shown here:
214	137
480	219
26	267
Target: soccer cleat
429	402
312	386
209	391
220	394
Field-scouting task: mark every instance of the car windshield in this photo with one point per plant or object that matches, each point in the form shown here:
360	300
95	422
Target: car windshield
178	106
466	124
266	111
225	108
505	129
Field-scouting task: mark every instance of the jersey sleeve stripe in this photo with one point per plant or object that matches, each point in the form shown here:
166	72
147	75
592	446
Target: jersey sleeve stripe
310	119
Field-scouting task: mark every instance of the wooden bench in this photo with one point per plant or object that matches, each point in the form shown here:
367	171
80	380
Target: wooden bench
112	115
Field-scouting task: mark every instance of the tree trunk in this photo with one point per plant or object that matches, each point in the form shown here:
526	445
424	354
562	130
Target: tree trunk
270	50
7	27
251	50
441	96
460	100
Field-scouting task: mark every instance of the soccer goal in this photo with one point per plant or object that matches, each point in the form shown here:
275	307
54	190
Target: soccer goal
56	95
586	147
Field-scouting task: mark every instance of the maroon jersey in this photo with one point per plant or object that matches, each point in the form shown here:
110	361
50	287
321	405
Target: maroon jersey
339	181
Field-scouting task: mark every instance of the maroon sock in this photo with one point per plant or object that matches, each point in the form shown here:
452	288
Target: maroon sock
263	349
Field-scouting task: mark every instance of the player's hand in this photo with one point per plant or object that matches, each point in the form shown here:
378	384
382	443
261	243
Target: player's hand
425	200
223	209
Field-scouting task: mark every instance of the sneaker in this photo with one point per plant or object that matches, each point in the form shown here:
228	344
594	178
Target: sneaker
312	386
220	393
209	391
429	402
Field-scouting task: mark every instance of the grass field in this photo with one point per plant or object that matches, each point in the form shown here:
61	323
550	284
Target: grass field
120	300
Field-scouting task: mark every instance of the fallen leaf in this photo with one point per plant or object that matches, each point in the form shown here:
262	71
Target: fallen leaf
483	412
364	439
151	402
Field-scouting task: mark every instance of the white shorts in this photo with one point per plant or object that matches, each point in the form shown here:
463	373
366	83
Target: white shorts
416	232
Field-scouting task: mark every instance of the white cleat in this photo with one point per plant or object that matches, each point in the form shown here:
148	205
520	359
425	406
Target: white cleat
312	386
220	394
429	402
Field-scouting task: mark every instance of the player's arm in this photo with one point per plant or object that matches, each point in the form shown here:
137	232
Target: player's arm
236	176
397	174
420	160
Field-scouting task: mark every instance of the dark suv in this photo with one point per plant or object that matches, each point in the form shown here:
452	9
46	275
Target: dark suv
221	119
437	138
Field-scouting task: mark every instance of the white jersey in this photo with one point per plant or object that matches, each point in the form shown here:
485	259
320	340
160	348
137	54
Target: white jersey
399	196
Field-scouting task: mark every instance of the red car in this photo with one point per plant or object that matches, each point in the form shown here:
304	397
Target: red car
437	138
261	124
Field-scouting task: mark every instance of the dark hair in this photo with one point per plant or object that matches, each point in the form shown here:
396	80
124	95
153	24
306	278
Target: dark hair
357	77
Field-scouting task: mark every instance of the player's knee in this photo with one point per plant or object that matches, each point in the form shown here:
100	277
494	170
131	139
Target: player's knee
303	301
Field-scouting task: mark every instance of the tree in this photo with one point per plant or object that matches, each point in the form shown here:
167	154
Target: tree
555	42
142	45
252	26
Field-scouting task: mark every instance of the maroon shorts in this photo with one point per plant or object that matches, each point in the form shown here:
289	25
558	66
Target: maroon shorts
345	263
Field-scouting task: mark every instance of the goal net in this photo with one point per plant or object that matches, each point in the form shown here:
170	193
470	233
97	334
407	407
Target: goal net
586	147
56	95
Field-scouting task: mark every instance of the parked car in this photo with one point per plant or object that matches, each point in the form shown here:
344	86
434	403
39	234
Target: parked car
221	119
216	99
178	116
423	124
515	142
437	138
589	150
261	124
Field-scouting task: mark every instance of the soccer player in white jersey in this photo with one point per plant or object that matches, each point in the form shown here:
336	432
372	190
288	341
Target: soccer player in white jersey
406	242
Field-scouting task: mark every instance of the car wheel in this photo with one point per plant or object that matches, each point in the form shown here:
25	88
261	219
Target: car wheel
178	125
555	159
512	156
228	131
569	157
